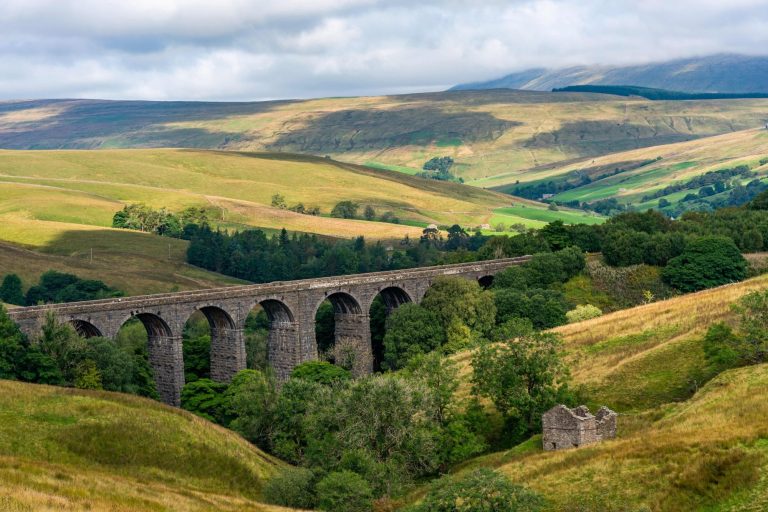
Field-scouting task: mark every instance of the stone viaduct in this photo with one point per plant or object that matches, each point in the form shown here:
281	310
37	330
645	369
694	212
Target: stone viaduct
291	307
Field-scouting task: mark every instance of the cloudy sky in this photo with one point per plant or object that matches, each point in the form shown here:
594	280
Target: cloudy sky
258	49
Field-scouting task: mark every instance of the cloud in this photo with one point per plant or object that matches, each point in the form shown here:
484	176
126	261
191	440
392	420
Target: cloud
251	50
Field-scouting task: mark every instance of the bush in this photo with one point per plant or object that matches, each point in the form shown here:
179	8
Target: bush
205	398
344	491
10	290
292	487
705	263
483	490
345	210
583	312
321	372
722	347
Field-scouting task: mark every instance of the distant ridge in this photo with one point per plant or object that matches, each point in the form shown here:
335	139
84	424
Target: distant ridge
723	73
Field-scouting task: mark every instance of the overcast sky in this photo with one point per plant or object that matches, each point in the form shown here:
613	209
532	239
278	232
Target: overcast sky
254	50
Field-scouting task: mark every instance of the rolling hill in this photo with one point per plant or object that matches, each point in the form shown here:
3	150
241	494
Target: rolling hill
66	449
729	73
680	446
56	208
490	133
628	176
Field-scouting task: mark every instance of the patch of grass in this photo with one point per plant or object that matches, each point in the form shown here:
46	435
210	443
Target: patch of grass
65	449
545	216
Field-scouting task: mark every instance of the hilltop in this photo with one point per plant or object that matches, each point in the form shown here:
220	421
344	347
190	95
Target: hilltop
66	449
725	73
489	133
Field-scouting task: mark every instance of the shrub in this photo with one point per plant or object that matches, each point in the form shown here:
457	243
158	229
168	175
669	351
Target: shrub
205	398
583	312
722	347
705	263
483	490
292	487
321	372
344	491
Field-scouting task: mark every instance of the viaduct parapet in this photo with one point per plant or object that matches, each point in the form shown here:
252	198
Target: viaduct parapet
291	307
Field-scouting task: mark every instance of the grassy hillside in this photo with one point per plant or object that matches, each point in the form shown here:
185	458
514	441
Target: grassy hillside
649	169
65	449
493	135
680	446
708	453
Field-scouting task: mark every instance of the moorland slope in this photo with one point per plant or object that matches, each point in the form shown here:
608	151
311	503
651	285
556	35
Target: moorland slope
488	133
66	449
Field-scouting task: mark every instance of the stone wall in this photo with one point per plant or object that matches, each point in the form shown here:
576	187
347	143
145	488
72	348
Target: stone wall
564	428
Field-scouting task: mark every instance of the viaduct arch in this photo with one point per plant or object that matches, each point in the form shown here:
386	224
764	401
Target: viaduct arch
290	307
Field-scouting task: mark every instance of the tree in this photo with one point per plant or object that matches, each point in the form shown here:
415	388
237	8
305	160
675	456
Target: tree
321	372
455	299
11	346
345	210
278	201
482	490
753	327
87	376
706	262
251	399
523	377
344	491
369	213
10	290
411	330
206	398
62	287
60	342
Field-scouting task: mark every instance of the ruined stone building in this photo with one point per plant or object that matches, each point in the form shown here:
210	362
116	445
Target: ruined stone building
570	428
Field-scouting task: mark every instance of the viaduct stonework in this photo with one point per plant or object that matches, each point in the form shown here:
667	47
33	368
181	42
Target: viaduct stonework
291	307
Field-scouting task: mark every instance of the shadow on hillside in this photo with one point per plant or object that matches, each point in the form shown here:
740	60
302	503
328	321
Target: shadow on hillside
363	129
589	138
83	124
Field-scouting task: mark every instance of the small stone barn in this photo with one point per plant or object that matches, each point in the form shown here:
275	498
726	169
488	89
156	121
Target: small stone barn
570	428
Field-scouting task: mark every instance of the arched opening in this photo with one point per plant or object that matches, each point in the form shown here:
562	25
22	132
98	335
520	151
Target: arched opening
85	329
342	332
163	349
485	282
154	325
271	338
206	340
386	301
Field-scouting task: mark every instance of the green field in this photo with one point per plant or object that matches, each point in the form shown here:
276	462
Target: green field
65	449
538	217
396	168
